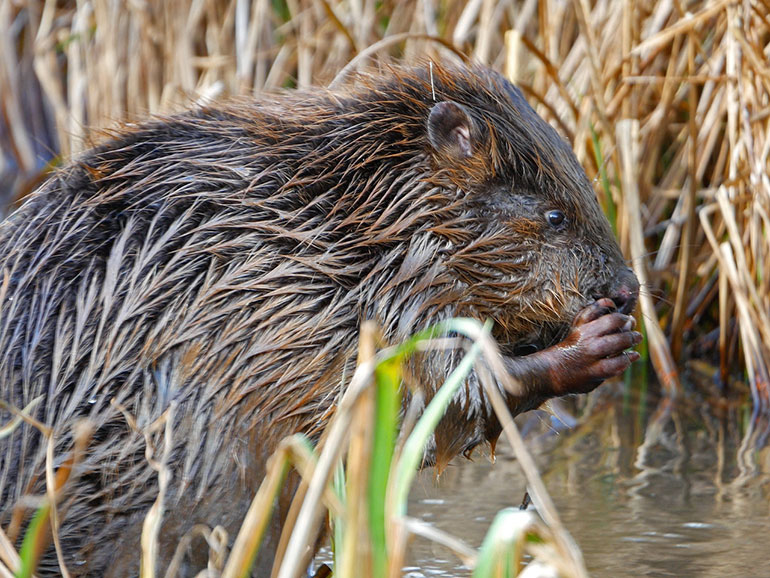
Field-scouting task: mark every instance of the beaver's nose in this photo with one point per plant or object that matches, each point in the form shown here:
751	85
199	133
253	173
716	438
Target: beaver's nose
626	291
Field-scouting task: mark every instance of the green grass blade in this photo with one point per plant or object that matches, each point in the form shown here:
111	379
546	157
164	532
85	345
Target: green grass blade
387	406
610	208
503	547
35	539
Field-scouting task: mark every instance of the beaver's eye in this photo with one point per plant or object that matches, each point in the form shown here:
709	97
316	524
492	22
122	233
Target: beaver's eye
555	218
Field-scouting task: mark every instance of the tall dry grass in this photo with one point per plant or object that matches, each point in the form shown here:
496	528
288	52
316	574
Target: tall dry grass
667	104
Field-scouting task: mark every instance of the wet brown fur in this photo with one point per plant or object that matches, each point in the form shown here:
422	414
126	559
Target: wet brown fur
222	260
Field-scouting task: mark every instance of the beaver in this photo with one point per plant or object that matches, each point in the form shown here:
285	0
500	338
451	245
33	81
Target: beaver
221	261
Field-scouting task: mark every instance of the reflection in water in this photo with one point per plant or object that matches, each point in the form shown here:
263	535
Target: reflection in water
677	491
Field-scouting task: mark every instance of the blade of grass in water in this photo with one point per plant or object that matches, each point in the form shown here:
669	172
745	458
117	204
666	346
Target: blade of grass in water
35	541
387	405
503	549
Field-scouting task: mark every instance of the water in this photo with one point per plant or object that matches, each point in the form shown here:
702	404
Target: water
646	490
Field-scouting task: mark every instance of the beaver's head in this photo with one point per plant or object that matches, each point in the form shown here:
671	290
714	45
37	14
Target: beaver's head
527	237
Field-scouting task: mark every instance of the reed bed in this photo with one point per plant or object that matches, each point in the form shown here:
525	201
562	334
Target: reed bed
667	105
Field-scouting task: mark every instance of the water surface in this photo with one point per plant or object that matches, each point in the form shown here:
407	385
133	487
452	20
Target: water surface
646	489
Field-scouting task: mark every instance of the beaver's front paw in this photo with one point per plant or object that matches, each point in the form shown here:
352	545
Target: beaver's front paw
595	349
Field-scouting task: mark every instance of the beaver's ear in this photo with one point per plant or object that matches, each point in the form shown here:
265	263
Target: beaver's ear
449	130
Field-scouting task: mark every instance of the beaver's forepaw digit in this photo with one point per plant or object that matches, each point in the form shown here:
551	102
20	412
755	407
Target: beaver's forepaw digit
612	345
616	365
594	311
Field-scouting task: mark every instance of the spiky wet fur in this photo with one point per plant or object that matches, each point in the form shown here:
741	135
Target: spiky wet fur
222	261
